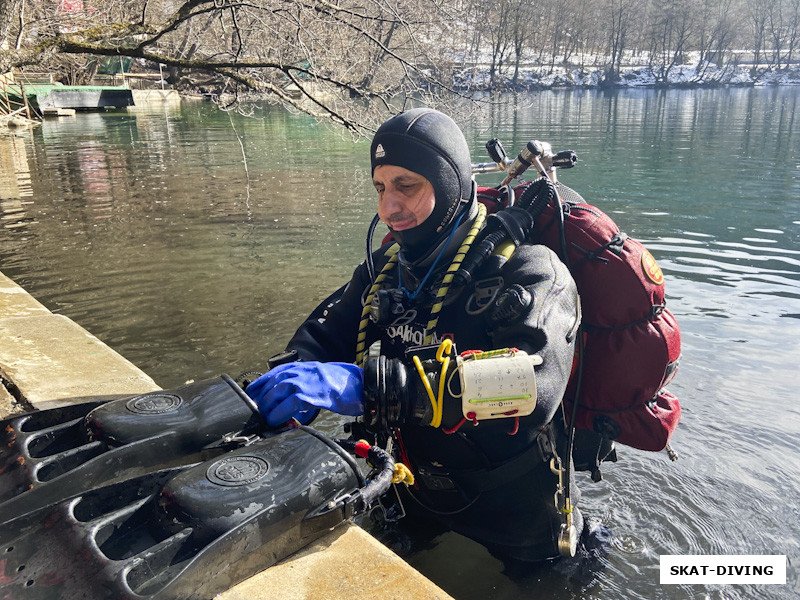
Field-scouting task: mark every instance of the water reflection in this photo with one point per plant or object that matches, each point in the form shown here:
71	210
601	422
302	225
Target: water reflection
169	253
15	182
153	230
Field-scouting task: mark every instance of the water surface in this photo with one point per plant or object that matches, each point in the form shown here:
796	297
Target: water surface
194	242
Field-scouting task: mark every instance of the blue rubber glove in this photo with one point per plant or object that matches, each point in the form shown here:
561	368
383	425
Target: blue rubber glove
294	387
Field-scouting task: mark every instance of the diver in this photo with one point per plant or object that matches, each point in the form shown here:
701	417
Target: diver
498	481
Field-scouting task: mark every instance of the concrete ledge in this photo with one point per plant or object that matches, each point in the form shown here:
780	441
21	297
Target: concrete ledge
348	563
155	97
8	404
58	112
84	96
49	361
53	361
16	302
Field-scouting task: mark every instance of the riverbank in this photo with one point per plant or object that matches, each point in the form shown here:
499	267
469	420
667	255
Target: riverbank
477	80
47	360
694	74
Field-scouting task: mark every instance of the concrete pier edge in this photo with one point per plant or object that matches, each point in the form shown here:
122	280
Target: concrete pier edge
47	360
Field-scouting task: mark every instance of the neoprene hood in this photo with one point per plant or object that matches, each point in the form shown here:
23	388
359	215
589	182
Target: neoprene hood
430	144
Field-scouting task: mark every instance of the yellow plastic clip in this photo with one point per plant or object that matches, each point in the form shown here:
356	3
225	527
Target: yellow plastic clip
426	384
437	403
402	474
442	355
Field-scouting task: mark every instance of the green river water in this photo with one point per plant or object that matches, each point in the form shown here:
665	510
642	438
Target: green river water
194	242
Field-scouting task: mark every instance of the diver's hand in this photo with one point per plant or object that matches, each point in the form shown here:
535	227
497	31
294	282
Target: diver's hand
295	387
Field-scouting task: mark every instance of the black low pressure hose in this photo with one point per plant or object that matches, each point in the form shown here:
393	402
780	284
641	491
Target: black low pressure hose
370	232
580	351
379	459
534	200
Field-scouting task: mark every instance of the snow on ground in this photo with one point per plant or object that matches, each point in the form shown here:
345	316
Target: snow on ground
641	76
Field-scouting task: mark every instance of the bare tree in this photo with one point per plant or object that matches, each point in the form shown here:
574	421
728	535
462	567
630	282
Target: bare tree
758	23
349	61
793	30
521	16
775	25
783	20
494	22
671	28
583	29
9	9
355	61
620	20
717	25
557	32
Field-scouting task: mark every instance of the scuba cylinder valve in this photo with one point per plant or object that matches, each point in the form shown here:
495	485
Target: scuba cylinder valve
540	154
532	149
497	153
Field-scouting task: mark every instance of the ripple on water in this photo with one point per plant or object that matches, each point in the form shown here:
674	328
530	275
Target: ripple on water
144	230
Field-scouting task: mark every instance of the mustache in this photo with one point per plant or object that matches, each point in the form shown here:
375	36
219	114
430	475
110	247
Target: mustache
399	217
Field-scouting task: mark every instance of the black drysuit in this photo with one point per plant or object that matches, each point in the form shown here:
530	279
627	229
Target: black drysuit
480	481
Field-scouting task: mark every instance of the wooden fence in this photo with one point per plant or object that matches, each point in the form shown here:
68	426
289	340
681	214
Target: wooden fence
13	100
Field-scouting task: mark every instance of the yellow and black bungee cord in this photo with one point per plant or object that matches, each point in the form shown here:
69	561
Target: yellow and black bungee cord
361	338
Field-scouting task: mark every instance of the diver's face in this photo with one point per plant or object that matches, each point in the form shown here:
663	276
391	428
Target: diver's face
405	198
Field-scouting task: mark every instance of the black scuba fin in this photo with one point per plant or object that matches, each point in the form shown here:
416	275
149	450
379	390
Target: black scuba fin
189	532
50	455
167	495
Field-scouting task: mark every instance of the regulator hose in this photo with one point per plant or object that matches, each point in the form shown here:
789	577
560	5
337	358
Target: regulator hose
370	232
534	199
578	374
380	460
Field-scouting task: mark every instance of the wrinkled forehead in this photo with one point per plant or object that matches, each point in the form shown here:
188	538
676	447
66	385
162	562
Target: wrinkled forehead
384	174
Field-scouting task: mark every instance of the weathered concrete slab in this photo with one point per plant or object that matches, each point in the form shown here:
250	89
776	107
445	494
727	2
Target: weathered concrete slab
54	361
347	564
16	302
58	112
144	97
86	97
8	404
48	95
